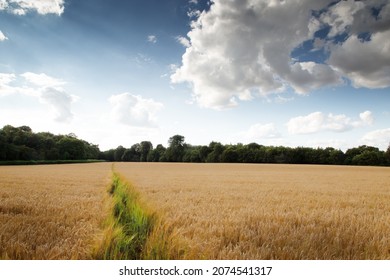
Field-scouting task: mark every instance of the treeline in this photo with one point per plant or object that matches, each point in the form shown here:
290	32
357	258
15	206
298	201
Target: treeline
21	144
179	151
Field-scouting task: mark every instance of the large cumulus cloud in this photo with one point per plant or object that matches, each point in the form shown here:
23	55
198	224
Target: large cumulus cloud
240	49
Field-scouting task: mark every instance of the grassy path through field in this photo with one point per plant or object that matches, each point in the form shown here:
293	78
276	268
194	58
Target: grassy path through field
132	230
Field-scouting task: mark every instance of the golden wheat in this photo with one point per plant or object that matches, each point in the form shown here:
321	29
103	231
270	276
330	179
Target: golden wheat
235	211
51	211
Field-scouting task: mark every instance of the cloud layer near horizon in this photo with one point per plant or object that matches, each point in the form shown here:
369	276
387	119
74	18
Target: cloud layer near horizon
241	49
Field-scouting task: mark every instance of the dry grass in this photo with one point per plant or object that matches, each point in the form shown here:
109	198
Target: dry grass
51	211
233	211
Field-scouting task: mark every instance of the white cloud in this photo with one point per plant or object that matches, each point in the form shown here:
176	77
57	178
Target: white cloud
366	118
60	103
262	131
318	121
307	76
46	89
378	138
152	39
238	49
5	80
183	41
354	17
366	64
3	4
2	36
193	13
8	86
42	80
133	110
43	7
243	46
19	12
306	124
341	16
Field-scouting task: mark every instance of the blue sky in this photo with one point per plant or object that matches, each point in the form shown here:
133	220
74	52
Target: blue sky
293	73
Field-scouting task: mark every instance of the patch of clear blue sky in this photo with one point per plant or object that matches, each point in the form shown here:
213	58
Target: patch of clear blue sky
92	31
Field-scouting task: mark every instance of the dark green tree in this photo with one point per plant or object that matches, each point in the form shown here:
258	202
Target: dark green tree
175	150
157	154
71	148
146	147
230	154
192	154
108	155
118	154
216	149
203	153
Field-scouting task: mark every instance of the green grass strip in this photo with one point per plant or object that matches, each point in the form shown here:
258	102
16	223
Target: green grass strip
133	231
128	225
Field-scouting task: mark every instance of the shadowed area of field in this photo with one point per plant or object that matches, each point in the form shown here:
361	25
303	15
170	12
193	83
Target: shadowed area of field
236	211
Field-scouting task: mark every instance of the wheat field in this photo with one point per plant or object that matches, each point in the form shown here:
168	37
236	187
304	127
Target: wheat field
209	211
51	211
236	211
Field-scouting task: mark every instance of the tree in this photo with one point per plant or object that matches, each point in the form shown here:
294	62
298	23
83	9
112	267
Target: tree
352	152
71	148
133	154
203	153
335	156
175	150
192	154
229	155
108	155
248	153
3	146
365	155
21	143
118	154
127	155
157	154
11	152
146	147
91	151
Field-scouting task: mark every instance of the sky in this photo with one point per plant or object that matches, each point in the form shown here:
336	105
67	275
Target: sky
275	72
